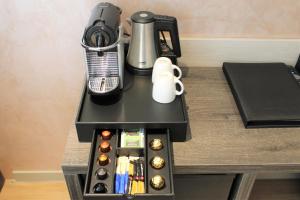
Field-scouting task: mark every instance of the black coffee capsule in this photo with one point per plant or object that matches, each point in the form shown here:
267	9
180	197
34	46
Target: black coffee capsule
100	188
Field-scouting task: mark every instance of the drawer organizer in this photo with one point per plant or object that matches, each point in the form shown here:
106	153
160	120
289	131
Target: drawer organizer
154	177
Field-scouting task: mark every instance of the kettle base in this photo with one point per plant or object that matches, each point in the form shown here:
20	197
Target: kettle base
139	71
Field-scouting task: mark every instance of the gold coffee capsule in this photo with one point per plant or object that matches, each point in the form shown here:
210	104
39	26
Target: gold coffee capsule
157	162
103	160
157	182
156	144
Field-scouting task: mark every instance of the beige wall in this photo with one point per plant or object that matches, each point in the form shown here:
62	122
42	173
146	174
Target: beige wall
41	63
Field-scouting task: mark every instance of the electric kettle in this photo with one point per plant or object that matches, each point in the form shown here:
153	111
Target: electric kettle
145	44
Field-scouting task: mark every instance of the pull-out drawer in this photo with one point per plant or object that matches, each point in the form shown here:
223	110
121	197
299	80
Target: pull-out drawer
106	162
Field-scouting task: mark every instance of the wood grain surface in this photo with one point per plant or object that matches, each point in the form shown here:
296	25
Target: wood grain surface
218	141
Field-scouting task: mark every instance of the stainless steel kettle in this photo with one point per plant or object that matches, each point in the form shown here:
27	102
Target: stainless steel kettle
145	45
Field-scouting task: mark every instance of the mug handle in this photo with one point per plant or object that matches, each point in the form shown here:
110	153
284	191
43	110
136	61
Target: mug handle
181	86
179	71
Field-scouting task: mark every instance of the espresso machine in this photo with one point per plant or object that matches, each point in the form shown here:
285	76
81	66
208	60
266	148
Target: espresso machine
104	51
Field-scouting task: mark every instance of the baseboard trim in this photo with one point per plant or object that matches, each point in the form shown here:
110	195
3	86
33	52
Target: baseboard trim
27	176
198	52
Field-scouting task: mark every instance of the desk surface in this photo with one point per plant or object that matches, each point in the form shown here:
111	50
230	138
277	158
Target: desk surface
219	142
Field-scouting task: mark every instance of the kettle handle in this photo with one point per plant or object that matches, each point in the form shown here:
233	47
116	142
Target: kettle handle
167	23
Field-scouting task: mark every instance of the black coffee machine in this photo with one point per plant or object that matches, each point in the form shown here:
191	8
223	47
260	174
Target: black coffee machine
104	51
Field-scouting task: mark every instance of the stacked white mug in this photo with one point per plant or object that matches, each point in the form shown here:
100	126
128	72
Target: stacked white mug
164	81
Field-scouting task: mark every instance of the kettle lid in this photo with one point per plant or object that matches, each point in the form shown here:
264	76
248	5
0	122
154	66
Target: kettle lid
143	17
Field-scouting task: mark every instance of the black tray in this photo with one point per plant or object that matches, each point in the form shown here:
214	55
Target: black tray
135	109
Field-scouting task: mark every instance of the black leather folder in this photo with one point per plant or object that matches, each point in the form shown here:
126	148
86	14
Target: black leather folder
266	94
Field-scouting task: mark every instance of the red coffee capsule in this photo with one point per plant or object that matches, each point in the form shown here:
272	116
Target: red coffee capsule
106	135
105	147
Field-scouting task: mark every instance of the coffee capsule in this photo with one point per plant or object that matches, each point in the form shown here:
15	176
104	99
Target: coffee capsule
157	162
100	188
103	160
101	173
156	144
106	135
157	182
105	147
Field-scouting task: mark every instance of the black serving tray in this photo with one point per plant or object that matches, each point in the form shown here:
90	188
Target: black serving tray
135	109
167	193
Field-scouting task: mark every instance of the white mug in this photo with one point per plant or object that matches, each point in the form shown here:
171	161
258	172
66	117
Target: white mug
164	64
164	88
